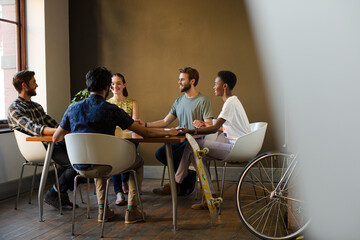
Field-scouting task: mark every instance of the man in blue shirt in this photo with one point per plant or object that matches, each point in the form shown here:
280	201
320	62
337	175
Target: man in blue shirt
96	115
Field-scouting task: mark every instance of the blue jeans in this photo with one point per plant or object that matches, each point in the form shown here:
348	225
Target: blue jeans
177	151
117	181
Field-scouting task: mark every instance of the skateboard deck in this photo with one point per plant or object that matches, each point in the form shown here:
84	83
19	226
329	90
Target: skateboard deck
213	203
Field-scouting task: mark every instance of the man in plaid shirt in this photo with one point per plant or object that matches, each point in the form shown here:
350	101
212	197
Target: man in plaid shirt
29	117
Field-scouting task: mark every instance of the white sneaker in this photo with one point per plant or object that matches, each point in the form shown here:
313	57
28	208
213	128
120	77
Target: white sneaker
120	199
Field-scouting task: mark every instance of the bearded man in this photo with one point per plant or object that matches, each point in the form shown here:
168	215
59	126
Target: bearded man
191	106
30	118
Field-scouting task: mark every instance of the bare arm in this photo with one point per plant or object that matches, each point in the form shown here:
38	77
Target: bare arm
135	114
48	131
201	124
59	134
148	132
207	130
162	123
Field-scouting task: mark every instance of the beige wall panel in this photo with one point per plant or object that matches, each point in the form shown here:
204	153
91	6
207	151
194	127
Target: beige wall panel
148	41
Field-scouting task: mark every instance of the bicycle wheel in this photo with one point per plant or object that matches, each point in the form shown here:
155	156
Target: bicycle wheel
268	199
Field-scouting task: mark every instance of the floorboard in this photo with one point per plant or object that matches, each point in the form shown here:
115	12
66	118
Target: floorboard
24	222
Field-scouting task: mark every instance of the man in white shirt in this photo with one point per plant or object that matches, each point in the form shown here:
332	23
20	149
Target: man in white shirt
235	124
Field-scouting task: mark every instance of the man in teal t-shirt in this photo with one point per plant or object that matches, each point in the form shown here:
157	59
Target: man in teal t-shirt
187	108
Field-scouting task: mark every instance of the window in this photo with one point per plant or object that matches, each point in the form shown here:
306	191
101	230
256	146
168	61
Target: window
12	49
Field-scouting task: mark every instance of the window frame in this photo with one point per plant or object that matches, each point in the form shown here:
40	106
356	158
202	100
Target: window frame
21	40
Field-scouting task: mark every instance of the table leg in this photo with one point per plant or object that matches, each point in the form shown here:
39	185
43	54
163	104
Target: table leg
44	174
170	163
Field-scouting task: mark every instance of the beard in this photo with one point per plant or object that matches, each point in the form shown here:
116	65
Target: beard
31	92
185	88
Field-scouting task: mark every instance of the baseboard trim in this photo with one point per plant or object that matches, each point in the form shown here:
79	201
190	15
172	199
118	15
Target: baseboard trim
232	173
9	189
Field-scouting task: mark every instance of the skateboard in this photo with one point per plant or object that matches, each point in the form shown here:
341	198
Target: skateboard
213	203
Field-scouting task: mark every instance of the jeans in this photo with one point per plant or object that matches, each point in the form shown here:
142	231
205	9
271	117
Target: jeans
177	151
60	156
118	180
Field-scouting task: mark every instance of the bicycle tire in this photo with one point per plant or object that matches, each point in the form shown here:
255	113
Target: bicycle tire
276	216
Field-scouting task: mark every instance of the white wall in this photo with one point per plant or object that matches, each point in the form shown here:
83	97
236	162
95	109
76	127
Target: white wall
310	55
48	55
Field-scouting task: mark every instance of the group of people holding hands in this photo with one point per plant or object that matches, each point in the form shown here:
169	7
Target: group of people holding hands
97	114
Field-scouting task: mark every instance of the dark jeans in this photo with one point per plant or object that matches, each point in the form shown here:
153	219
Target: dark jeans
177	151
60	156
118	180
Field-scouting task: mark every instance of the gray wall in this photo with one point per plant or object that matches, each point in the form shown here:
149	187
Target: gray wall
148	41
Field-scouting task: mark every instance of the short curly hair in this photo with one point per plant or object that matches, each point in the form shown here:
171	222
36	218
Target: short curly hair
98	79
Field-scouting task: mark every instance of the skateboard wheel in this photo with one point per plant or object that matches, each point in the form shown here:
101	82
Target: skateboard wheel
206	150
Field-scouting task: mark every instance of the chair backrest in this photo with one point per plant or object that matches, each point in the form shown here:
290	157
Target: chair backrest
100	149
31	151
248	146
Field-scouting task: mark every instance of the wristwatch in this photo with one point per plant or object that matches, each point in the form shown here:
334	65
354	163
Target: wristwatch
195	132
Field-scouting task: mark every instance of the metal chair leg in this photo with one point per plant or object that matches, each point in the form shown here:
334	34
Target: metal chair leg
105	206
19	185
81	197
88	198
196	186
138	193
217	177
32	184
163	176
74	204
222	185
58	188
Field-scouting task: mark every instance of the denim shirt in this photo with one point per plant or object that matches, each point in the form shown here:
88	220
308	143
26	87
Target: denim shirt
94	115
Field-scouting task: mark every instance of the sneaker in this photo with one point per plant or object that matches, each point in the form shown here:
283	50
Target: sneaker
120	199
109	214
200	206
125	187
52	199
164	190
133	216
65	201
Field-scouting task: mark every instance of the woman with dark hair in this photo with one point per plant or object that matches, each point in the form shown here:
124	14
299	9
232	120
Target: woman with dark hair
130	106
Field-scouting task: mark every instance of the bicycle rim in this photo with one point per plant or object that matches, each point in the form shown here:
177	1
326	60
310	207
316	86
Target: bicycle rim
269	207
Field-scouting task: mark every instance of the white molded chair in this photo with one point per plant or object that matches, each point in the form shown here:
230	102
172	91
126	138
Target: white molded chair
245	149
34	154
101	150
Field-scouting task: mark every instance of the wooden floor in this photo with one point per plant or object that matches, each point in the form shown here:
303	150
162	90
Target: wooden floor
24	222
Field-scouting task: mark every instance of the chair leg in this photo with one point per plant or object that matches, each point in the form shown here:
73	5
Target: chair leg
222	185
81	197
196	186
217	177
19	185
32	184
138	194
88	198
58	188
105	206
163	176
74	204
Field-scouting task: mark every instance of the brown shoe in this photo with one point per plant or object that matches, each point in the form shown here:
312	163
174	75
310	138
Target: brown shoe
109	214
133	216
164	190
200	206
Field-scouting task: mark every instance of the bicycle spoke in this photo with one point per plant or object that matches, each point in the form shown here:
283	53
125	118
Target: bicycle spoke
267	199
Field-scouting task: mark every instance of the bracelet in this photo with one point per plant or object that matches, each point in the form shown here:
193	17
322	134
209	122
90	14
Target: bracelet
195	132
146	124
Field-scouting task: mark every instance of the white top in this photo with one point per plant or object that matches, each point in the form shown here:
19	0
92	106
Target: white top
237	123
